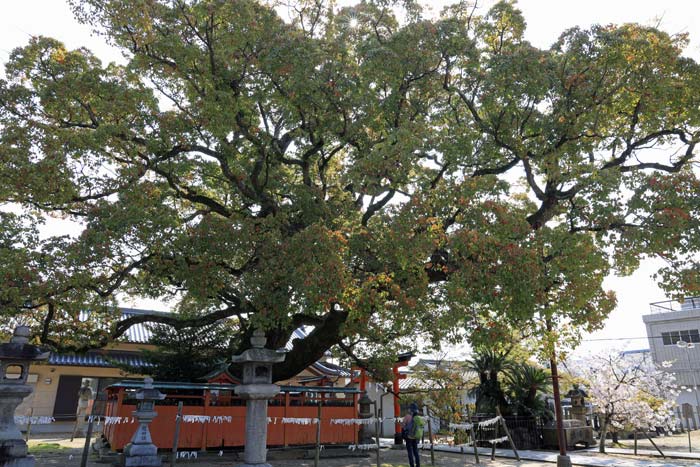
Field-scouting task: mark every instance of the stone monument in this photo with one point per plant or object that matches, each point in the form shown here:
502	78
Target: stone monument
15	358
141	452
257	389
84	397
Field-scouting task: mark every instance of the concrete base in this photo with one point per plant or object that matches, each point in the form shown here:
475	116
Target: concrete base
563	461
21	462
143	461
141	455
254	465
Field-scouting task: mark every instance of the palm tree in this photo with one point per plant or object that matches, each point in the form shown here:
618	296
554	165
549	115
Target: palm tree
526	385
488	364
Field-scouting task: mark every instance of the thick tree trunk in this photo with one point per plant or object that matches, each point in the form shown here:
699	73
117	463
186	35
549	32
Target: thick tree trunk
305	351
603	434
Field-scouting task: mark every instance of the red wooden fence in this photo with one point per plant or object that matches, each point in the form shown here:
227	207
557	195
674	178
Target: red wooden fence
297	402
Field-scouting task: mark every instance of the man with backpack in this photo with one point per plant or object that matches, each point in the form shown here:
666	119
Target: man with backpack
412	431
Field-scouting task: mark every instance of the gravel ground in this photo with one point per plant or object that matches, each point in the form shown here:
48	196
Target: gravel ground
58	452
387	458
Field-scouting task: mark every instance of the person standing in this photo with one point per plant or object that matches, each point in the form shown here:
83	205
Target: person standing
412	429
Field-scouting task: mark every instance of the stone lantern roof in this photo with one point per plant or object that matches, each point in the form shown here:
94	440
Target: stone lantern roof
576	391
258	353
19	348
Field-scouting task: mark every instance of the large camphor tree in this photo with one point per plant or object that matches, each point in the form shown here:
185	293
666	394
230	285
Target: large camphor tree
380	179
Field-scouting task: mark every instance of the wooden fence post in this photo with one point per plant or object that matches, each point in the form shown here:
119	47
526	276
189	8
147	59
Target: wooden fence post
318	435
176	438
86	447
473	433
430	436
505	428
29	425
493	445
376	430
654	444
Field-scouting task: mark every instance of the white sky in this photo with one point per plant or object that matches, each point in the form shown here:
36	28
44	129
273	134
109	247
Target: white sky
546	20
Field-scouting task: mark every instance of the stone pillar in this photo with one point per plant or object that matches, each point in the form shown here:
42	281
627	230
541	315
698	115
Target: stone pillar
256	432
17	356
257	388
141	452
365	431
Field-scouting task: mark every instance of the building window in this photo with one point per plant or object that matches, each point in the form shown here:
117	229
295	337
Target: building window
671	338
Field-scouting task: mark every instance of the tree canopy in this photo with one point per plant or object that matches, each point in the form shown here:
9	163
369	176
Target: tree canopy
371	172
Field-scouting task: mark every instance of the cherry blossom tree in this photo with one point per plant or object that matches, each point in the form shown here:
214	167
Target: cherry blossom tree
629	391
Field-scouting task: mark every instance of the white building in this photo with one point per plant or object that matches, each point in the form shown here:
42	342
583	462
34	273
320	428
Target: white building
673	330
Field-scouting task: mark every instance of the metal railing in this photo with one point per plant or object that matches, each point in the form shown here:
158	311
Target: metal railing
525	431
667	306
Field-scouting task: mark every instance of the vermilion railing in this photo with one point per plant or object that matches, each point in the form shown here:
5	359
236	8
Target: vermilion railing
211	402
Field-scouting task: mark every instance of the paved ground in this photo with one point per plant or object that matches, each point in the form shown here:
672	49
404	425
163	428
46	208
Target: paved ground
62	453
677	442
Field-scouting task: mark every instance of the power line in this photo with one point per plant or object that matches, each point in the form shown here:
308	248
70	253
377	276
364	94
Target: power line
620	338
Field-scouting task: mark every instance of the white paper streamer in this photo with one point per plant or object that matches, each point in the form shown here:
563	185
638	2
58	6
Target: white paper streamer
354	421
498	440
35	420
196	419
362	447
299	421
490	422
95	419
118	420
207	419
461	426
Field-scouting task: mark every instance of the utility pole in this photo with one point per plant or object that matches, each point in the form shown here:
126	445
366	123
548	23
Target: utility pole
563	460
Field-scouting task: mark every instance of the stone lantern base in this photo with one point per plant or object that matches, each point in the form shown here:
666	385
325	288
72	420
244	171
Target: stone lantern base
141	452
141	456
22	462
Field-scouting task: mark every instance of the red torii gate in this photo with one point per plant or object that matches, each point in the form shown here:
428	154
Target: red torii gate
402	360
362	378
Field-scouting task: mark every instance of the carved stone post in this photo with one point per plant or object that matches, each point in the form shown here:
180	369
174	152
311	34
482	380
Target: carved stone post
257	389
15	358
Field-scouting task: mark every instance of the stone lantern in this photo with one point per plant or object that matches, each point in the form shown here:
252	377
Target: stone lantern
15	358
141	451
256	389
578	403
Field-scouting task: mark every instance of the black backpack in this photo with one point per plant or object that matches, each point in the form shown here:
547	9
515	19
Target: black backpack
407	430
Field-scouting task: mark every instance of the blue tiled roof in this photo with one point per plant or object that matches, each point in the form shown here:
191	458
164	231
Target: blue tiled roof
138	333
96	359
299	333
326	368
331	369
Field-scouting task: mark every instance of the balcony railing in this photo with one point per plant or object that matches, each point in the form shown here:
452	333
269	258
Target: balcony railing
689	303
